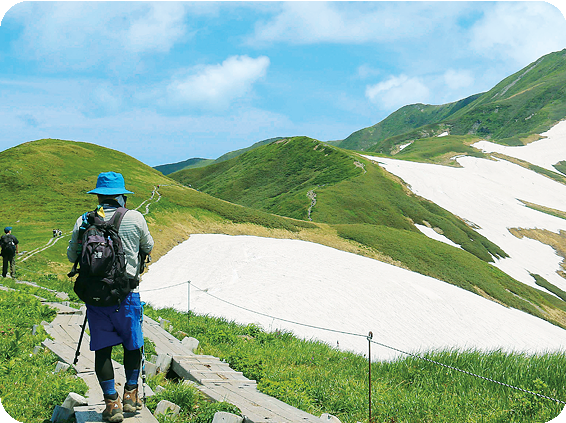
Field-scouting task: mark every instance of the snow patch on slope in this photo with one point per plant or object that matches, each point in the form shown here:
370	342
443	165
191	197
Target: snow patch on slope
544	153
321	286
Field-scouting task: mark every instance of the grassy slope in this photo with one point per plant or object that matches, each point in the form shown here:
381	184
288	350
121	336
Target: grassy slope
524	104
44	185
42	197
274	178
406	119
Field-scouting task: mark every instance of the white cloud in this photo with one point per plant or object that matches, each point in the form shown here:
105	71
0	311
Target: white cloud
312	22
214	87
456	79
80	35
521	31
158	29
398	91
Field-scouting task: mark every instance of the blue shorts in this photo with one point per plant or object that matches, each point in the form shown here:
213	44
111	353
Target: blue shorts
109	327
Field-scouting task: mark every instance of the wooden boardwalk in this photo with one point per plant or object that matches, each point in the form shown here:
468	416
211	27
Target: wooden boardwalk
65	330
219	382
211	376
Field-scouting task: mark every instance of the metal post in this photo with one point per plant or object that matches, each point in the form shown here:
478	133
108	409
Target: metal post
370	336
188	302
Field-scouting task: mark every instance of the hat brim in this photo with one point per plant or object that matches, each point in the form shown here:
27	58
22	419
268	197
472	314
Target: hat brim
109	191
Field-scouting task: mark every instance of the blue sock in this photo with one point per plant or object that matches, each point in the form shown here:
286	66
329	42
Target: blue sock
132	377
108	388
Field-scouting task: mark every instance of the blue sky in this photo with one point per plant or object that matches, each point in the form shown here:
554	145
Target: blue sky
167	81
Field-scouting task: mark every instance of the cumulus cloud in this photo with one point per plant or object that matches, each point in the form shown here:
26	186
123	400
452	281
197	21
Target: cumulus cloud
312	22
215	87
397	91
521	31
80	35
456	79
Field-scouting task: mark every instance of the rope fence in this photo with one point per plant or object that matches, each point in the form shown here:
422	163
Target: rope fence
368	337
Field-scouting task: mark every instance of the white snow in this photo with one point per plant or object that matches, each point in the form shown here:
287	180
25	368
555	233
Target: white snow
445	133
544	153
487	193
403	146
321	286
431	233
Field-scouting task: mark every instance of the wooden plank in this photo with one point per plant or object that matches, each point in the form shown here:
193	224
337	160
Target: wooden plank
165	343
257	406
93	414
61	307
66	353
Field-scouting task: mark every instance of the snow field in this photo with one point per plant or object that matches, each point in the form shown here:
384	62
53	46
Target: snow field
321	286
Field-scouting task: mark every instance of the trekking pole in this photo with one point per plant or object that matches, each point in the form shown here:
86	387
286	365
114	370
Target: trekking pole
142	357
77	353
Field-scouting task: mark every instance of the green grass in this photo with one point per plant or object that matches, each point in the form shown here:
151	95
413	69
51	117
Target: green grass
320	379
28	388
542	282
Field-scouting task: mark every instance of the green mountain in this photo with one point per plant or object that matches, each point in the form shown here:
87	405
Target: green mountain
522	105
349	196
44	185
167	169
404	120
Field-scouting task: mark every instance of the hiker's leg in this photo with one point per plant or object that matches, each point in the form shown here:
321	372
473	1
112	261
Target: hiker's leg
105	372
4	266
132	364
13	267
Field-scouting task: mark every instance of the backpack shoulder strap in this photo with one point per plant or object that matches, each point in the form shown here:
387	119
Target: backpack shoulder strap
116	219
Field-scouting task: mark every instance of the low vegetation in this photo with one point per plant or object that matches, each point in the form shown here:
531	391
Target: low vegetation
317	378
28	387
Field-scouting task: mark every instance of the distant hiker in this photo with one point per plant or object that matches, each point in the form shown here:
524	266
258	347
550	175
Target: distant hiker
118	323
9	244
59	232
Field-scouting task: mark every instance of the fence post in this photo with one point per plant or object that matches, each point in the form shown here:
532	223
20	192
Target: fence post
188	302
370	336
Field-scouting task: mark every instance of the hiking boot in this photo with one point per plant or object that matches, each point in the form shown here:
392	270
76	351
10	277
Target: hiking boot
113	412
132	402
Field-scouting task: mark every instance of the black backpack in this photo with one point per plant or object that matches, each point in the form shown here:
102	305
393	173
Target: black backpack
8	246
102	279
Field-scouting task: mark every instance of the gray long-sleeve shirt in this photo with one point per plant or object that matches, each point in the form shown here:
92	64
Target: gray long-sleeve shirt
133	232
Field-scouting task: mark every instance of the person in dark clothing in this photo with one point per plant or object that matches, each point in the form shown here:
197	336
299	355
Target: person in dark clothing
9	244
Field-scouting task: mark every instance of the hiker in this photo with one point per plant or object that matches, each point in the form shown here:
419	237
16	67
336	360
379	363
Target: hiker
9	244
117	324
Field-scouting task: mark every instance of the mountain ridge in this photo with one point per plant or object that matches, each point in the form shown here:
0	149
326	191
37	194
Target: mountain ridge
522	105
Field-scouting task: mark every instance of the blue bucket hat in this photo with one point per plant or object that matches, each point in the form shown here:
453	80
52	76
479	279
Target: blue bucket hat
7	229
110	183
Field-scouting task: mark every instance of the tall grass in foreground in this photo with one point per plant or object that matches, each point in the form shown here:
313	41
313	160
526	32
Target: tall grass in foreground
28	387
319	379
